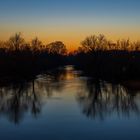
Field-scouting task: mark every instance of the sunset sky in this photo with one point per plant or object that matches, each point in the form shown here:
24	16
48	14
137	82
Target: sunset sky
70	20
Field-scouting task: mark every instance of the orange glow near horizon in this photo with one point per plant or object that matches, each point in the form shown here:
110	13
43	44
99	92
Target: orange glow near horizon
71	35
72	41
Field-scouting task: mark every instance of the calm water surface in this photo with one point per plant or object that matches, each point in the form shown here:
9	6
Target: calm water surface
64	105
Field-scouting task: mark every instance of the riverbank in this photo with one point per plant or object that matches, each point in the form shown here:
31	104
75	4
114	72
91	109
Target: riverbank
111	65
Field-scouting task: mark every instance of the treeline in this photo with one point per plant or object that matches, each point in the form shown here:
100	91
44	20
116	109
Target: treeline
96	55
108	60
16	55
101	43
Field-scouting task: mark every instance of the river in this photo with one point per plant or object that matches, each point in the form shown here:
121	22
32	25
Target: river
64	104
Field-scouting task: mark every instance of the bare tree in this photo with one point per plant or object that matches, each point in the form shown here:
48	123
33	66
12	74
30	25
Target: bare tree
95	43
90	43
16	42
135	46
123	44
36	44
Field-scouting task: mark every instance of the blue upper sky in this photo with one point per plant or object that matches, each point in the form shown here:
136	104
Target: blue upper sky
62	8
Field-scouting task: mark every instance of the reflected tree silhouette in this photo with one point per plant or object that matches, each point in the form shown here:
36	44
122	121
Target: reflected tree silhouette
101	99
18	98
98	99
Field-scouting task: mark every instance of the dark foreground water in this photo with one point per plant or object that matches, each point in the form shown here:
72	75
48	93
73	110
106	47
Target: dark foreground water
63	105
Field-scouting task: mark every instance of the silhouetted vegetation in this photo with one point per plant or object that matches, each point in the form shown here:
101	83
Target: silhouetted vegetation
18	56
97	56
105	59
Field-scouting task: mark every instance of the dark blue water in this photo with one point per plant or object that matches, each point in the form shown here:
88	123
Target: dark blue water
64	105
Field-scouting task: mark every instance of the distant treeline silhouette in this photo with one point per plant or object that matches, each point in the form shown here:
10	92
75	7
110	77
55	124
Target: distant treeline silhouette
16	55
101	43
96	55
108	60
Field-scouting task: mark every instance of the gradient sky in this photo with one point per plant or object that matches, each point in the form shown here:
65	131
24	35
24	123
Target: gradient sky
70	20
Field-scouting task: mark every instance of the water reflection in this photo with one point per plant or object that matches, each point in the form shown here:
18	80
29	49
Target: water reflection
100	99
97	99
18	98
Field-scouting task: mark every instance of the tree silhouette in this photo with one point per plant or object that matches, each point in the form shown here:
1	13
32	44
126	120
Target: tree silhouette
124	44
16	42
57	47
95	43
36	44
135	46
